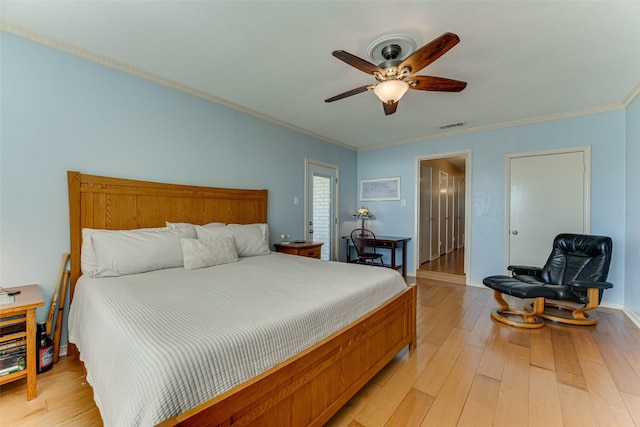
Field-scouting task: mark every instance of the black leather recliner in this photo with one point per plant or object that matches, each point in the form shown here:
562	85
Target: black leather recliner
575	273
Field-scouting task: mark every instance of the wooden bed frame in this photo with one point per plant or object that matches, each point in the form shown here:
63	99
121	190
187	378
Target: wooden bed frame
306	389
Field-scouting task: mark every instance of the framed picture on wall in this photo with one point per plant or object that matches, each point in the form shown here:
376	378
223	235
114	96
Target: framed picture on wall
380	189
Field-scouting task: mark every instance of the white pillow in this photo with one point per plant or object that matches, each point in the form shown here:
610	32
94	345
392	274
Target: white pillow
121	252
204	232
88	256
174	225
199	253
251	239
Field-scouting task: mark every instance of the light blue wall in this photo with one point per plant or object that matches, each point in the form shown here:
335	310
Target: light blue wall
632	264
604	132
60	112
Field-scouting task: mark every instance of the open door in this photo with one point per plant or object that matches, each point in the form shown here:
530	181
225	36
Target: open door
426	215
321	207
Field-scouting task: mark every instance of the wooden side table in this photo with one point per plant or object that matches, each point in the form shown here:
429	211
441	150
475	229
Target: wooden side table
23	309
308	249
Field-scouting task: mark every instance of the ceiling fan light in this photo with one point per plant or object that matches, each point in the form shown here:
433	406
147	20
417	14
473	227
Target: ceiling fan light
391	91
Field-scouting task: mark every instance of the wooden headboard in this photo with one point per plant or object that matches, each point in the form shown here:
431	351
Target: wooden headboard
124	204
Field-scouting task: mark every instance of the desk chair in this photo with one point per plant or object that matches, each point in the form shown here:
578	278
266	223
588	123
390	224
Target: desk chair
364	240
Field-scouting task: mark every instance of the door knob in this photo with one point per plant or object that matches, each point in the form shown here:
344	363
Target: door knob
514	232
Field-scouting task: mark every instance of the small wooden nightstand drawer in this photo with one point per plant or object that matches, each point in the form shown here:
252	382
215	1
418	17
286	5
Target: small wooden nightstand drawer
311	253
306	249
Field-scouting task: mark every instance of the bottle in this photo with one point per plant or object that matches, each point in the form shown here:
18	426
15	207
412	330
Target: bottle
44	349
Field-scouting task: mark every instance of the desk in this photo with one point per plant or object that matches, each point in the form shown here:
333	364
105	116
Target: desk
386	242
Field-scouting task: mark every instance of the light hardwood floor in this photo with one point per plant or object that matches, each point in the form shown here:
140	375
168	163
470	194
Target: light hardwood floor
467	370
450	263
447	268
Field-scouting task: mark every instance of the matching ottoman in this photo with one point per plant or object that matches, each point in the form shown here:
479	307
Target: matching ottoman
522	287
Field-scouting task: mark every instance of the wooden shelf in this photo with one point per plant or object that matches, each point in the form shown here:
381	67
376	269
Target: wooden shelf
23	309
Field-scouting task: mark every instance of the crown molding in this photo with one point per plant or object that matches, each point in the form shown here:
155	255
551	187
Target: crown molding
71	49
632	95
514	123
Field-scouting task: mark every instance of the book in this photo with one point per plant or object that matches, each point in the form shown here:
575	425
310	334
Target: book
7	364
14	328
15	368
5	354
12	351
13	343
5	298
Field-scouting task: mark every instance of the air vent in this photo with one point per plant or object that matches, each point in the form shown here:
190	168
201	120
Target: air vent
452	125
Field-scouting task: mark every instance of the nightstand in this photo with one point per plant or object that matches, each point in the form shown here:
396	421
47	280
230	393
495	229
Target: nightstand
308	249
23	310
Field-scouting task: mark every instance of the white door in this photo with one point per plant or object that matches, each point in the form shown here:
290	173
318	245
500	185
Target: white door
321	212
443	212
548	195
426	218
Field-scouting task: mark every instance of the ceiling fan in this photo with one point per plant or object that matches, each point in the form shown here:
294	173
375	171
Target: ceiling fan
394	74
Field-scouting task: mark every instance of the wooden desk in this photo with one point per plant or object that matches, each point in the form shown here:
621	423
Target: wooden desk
386	242
23	309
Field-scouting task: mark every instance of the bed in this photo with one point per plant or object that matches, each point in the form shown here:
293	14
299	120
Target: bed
302	388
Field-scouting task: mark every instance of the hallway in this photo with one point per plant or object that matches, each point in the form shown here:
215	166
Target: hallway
447	268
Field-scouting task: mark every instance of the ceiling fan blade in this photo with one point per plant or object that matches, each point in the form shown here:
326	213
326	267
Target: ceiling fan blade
390	108
439	84
429	52
350	93
356	62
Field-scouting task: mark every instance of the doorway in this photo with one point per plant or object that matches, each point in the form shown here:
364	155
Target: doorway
442	220
321	210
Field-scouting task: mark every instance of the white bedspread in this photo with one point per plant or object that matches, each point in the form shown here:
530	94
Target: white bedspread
157	344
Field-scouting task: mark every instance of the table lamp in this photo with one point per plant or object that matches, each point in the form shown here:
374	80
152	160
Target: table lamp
363	214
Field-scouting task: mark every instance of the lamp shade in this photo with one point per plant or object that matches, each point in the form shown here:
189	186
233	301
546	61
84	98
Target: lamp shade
364	213
391	91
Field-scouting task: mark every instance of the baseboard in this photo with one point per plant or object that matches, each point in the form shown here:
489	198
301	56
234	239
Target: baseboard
63	351
632	316
612	306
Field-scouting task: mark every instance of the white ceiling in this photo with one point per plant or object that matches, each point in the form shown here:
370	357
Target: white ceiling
523	60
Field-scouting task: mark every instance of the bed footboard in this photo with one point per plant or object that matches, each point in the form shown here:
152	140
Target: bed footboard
308	389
